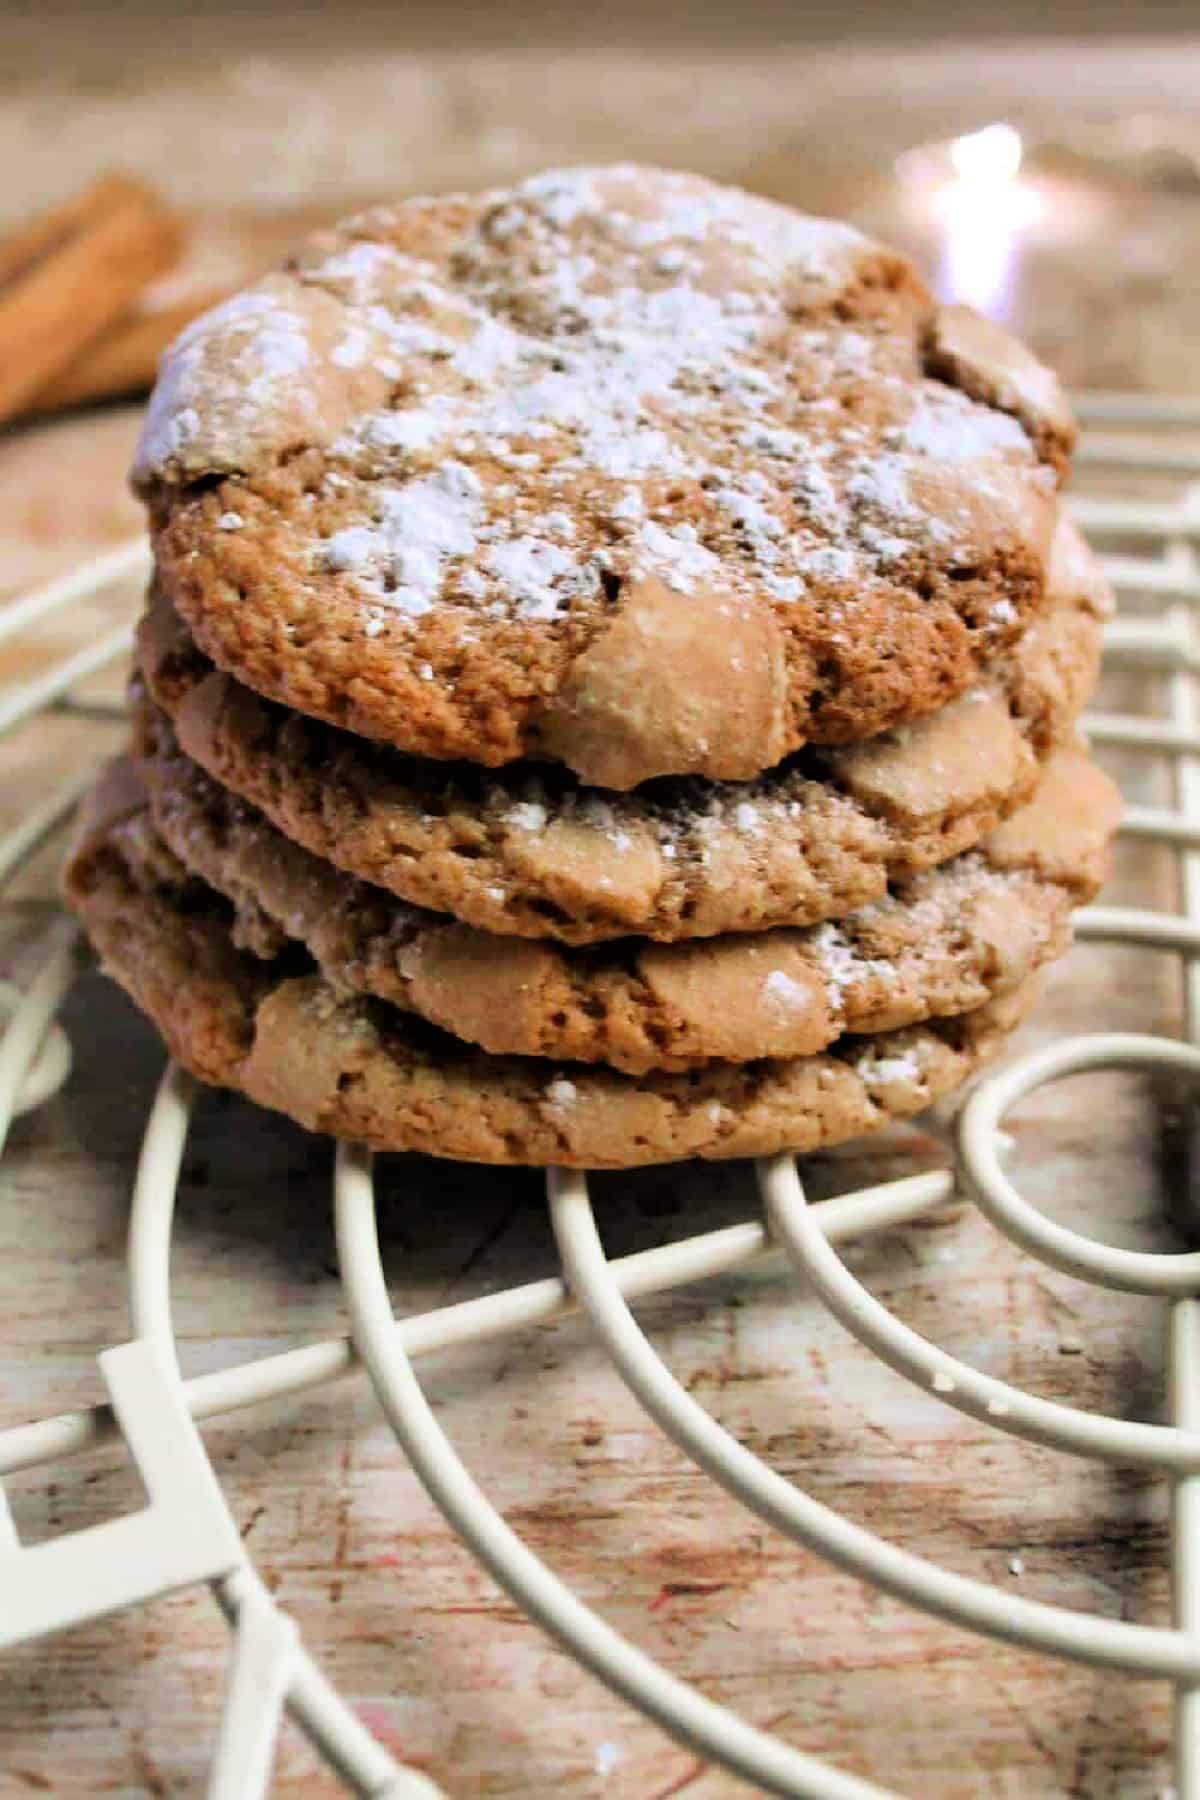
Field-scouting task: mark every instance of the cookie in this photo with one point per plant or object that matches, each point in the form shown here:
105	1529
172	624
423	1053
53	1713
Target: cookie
948	942
616	468
525	852
362	1070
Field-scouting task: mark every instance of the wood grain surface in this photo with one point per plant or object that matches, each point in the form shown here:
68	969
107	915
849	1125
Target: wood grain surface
438	1662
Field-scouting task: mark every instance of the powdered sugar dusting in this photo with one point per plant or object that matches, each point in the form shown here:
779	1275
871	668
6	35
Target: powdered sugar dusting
601	374
785	992
256	340
354	548
539	575
413	429
842	966
528	815
420	527
949	428
677	557
881	486
881	1070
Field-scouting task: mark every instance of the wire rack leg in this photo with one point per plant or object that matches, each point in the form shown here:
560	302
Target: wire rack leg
311	1700
259	1672
185	1535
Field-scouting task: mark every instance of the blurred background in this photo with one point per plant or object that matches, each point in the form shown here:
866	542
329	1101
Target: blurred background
258	121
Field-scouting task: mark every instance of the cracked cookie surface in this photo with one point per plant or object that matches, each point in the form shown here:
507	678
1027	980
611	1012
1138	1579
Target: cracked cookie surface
616	468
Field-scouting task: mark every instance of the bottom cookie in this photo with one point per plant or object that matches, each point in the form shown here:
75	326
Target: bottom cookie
359	1069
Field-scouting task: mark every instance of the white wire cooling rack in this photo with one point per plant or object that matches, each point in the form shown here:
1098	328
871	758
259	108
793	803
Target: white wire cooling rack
186	1535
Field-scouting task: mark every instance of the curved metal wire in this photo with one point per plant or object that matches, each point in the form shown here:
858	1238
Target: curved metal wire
1135	1649
980	1396
35	1057
678	1708
1107	1265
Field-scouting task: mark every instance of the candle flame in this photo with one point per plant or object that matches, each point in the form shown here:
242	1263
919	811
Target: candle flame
990	158
983	208
973	188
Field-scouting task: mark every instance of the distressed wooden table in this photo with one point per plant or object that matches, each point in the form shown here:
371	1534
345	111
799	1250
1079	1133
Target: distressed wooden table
435	1658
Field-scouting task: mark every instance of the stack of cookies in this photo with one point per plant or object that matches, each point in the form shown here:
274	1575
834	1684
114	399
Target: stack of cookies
609	684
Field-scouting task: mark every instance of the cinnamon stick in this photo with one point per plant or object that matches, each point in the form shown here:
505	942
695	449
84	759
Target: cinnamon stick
66	277
38	236
125	360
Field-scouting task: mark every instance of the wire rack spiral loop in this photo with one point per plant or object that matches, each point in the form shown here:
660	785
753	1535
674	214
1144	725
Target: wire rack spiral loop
982	1397
1108	1265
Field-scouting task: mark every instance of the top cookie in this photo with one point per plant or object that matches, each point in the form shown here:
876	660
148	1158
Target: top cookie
617	468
